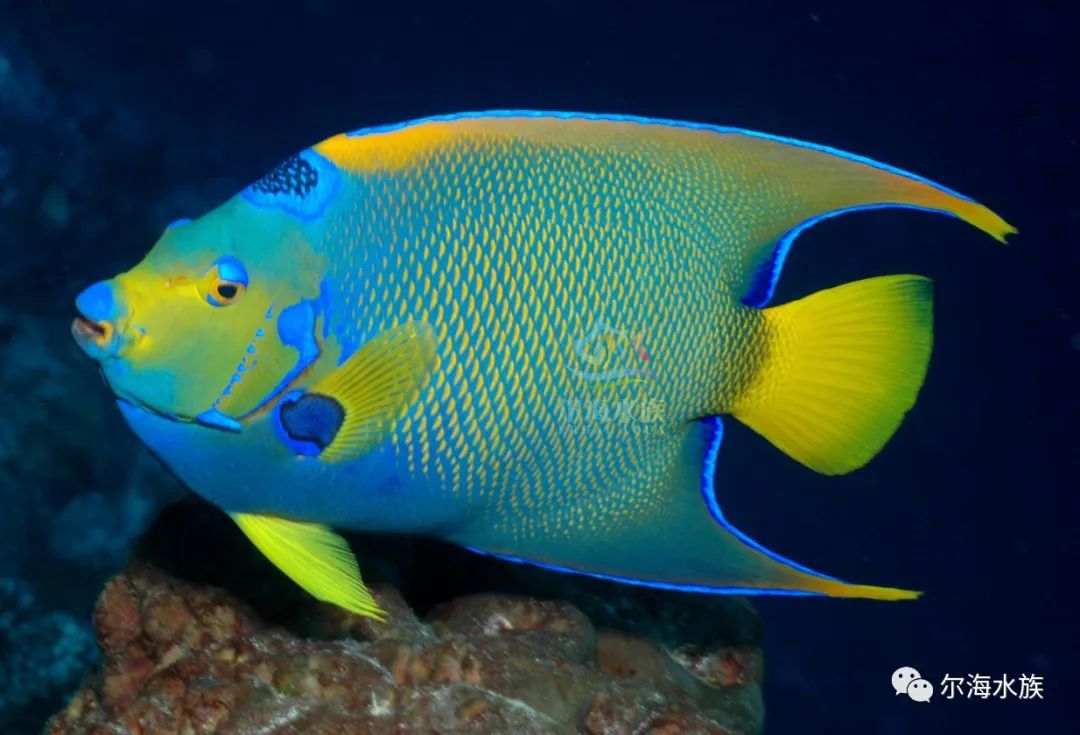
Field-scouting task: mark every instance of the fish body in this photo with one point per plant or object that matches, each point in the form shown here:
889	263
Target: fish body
517	332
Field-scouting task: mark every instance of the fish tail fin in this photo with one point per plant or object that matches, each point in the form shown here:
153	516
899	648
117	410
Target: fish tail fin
843	366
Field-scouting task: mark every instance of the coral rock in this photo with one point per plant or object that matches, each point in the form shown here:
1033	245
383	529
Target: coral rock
178	657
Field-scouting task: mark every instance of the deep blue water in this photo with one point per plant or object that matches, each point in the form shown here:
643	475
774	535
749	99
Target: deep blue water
144	112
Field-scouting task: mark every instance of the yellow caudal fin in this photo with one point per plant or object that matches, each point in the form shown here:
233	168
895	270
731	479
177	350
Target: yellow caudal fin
315	558
843	367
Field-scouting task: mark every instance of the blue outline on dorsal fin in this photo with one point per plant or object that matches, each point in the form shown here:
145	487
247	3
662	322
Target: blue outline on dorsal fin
640	120
763	283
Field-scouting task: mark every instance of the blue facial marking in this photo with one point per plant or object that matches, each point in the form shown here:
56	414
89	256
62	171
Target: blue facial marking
241	367
296	328
303	186
96	302
178	222
218	420
231	269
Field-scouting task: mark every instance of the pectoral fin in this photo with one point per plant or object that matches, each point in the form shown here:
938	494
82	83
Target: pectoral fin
353	409
315	558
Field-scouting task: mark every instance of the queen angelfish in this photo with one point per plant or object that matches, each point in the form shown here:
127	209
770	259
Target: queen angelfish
518	332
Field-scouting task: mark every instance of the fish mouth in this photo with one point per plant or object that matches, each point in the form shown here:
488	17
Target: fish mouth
94	337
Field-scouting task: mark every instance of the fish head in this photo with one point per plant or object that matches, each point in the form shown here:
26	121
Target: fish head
193	332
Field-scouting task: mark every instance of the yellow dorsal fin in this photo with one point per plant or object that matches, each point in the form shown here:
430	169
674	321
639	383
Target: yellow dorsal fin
799	184
314	557
376	386
843	367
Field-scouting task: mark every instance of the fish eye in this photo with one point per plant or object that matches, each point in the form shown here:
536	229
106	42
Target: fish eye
225	282
226	291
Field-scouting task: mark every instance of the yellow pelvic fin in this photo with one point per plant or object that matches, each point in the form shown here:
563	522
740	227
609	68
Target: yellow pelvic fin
314	557
843	366
376	386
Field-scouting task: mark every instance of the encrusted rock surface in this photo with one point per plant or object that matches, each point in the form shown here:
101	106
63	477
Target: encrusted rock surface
181	657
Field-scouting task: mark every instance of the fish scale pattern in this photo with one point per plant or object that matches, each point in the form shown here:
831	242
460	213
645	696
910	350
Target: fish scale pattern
517	248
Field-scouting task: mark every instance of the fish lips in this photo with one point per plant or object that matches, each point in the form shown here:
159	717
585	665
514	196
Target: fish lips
97	339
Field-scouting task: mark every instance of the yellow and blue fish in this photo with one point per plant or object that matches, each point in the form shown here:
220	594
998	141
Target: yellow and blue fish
517	331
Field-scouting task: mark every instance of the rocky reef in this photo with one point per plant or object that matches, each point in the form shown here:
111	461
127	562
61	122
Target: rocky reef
180	655
184	658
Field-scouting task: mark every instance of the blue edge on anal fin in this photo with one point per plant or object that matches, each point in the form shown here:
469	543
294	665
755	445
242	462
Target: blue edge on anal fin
716	426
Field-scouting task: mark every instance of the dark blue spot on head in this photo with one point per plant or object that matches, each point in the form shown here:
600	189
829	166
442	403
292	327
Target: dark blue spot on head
302	186
295	177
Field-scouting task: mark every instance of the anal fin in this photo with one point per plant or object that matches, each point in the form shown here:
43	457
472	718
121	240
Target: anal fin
685	544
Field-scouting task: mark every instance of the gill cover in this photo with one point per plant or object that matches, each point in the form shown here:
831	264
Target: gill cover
218	317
